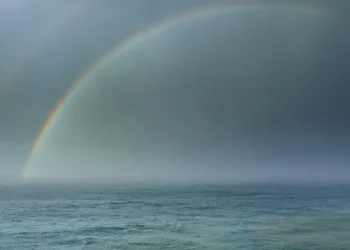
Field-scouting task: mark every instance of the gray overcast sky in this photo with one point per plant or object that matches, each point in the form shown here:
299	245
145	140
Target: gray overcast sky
249	95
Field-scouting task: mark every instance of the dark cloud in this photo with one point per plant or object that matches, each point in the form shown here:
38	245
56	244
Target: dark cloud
244	95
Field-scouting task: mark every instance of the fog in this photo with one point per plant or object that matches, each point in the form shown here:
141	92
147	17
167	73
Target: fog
251	93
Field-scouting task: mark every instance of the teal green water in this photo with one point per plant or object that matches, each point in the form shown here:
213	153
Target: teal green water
197	217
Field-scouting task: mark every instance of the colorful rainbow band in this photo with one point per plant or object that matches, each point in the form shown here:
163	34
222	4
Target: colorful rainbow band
78	85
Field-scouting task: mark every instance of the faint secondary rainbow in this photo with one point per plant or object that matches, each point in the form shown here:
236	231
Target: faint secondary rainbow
82	81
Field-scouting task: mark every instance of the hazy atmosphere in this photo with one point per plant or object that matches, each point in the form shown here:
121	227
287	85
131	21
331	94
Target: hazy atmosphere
174	124
190	91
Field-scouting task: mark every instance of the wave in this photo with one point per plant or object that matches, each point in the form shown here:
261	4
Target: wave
101	229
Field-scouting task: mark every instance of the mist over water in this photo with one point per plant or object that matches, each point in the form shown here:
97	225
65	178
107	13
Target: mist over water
205	125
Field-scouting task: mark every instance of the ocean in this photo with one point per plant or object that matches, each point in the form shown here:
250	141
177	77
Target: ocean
67	216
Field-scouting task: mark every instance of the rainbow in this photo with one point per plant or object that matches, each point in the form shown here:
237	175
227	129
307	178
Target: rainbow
82	81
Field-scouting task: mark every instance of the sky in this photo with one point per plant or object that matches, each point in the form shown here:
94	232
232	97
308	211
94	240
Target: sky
257	92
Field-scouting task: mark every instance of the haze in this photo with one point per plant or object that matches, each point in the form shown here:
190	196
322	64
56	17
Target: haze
252	94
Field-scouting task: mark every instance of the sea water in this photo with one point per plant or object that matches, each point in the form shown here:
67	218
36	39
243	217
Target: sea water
89	216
